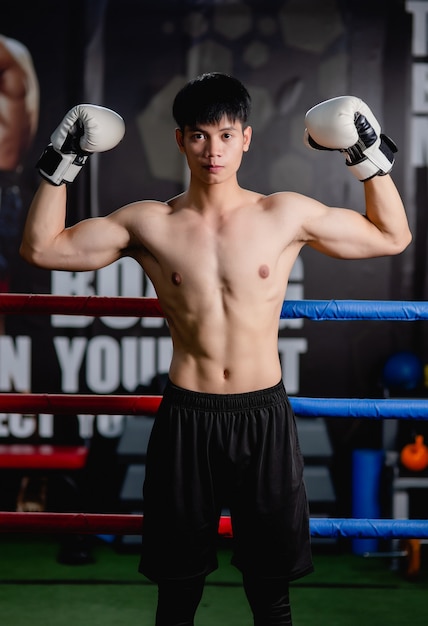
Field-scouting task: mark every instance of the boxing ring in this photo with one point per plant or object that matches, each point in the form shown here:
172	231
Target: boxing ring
343	408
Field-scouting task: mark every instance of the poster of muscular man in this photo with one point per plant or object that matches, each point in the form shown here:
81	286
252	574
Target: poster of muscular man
19	114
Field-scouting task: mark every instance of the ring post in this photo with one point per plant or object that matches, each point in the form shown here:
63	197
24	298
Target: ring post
366	476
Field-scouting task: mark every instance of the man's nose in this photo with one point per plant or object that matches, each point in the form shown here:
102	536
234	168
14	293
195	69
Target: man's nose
213	147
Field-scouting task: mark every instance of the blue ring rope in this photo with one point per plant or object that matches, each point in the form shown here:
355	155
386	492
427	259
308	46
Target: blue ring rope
369	528
361	408
380	310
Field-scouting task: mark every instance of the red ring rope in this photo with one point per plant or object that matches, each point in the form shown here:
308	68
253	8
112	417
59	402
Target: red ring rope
90	523
97	306
63	404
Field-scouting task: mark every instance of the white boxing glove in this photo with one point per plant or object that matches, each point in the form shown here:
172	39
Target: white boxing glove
347	124
86	128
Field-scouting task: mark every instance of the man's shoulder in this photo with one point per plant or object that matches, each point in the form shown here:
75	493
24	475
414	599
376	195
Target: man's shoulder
148	206
284	200
290	208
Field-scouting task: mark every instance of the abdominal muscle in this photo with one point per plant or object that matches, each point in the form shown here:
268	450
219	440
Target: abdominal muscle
225	353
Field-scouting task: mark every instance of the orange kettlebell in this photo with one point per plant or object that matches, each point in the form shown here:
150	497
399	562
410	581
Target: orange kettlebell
414	456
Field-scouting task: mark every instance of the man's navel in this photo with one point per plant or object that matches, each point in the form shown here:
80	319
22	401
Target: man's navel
263	271
176	278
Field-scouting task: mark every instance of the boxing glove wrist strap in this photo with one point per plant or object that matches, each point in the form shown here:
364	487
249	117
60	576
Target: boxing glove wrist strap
365	168
58	168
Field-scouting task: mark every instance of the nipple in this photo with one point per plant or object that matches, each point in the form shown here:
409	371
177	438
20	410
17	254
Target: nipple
263	271
176	278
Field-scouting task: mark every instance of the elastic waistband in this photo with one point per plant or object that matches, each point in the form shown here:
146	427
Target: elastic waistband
224	402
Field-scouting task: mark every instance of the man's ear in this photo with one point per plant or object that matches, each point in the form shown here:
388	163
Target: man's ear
248	133
179	139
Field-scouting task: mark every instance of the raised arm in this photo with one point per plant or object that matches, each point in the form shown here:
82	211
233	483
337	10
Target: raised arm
92	243
87	245
348	125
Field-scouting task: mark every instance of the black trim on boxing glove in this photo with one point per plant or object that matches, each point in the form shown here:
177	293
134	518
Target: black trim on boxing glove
71	143
316	146
386	146
49	160
367	138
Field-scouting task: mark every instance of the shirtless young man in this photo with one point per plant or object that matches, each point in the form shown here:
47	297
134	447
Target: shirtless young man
219	257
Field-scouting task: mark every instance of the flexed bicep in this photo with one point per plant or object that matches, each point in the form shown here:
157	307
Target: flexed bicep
90	244
343	234
87	245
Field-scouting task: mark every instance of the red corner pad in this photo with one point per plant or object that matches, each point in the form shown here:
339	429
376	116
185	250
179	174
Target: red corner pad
23	456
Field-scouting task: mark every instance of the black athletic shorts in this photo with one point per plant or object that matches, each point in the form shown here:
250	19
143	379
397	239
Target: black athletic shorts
238	451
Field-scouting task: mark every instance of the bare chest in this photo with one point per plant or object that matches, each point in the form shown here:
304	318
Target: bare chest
236	257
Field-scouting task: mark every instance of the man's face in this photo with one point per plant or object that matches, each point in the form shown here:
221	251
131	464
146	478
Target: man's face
214	151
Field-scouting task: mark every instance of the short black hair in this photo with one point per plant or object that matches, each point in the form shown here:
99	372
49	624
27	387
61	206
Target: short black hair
209	97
